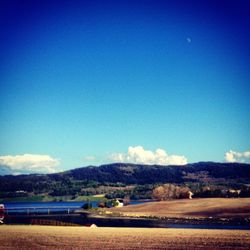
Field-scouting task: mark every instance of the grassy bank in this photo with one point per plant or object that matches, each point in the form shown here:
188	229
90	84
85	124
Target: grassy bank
47	198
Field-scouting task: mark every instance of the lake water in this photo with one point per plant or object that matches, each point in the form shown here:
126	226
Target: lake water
42	207
12	205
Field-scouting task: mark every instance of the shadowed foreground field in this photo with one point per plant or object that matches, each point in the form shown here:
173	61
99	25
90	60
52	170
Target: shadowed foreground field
50	237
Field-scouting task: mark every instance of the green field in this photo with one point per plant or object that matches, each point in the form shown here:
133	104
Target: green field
47	198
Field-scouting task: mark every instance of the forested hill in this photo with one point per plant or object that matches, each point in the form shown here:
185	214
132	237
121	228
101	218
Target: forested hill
203	172
148	174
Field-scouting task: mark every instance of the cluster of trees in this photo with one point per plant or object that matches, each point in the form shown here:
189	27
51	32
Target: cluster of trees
135	193
170	191
108	203
218	192
173	191
13	194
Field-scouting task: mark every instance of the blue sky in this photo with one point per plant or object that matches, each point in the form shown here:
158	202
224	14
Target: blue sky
91	82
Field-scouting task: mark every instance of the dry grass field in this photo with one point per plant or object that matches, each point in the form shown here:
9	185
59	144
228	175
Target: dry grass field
196	208
50	237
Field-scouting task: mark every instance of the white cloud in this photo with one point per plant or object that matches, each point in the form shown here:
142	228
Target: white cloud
28	163
138	154
233	156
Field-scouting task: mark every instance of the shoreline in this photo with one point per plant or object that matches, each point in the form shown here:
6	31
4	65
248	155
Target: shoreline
180	221
134	222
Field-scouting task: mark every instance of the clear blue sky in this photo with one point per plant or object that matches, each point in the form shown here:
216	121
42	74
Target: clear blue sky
91	78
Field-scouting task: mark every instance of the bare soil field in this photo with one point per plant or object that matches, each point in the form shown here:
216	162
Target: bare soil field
52	237
195	208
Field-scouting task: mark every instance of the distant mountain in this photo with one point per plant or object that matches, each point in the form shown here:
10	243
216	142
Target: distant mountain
125	173
147	174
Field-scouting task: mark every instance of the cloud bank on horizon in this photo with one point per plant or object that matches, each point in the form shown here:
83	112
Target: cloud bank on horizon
233	156
28	163
45	164
138	154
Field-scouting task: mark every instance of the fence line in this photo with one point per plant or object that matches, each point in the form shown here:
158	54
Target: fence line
41	210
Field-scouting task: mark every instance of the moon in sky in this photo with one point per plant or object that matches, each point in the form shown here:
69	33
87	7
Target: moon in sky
189	40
